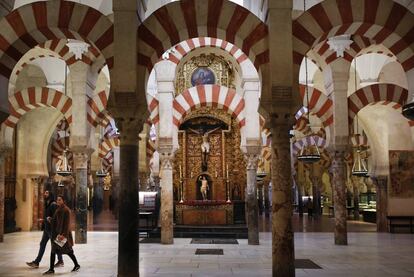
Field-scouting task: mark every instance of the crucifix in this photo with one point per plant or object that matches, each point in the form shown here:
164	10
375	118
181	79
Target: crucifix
205	145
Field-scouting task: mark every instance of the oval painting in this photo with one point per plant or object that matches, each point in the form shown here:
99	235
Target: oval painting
203	76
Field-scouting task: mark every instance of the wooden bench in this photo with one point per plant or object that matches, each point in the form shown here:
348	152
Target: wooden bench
401	221
148	212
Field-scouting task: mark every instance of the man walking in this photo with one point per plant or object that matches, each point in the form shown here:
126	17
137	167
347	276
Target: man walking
49	211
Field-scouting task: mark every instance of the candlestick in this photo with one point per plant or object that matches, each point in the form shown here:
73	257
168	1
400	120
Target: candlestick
227	171
181	173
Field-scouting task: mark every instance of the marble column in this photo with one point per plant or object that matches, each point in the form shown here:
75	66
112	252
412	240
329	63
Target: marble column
316	191
128	246
355	184
283	255
266	199
81	206
260	192
165	149
252	208
2	188
381	183
339	194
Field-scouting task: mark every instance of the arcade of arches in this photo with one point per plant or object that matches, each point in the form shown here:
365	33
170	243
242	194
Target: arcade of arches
178	116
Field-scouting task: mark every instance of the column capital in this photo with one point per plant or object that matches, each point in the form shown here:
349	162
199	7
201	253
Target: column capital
252	161
129	129
337	153
166	151
81	159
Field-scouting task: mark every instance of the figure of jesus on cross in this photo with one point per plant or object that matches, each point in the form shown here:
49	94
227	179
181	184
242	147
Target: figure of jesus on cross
205	145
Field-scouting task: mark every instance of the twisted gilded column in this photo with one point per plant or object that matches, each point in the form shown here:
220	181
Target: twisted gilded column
252	207
381	183
81	208
338	169
165	148
283	255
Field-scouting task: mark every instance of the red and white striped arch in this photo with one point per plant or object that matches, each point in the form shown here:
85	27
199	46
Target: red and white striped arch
31	98
359	46
153	109
96	109
107	145
384	21
319	104
58	49
38	22
182	20
185	47
309	140
212	96
386	93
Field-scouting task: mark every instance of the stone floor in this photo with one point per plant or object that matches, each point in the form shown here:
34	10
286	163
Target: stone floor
368	254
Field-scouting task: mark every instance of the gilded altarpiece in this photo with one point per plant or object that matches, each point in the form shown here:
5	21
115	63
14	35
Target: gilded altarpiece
224	163
221	70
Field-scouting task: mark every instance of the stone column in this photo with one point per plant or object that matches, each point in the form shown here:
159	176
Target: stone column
252	159
381	183
81	206
282	234
339	193
165	148
355	184
266	199
260	192
128	246
316	191
2	185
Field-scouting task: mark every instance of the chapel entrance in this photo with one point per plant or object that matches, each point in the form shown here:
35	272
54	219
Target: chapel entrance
209	166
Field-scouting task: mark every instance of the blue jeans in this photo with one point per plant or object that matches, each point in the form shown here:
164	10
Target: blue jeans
45	238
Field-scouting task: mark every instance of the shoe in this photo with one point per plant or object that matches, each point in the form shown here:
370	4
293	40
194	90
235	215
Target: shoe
59	264
33	264
76	268
50	271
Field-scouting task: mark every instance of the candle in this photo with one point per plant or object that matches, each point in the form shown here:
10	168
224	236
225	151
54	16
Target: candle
227	171
181	173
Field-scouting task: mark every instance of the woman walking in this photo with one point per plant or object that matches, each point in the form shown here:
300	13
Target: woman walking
62	240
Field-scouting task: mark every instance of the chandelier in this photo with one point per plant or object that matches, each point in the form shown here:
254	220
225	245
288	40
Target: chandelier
359	168
62	166
309	153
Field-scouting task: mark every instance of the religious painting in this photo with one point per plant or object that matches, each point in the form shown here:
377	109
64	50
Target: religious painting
203	76
402	174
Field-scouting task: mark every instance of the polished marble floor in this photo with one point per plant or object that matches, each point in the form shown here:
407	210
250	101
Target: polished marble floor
368	254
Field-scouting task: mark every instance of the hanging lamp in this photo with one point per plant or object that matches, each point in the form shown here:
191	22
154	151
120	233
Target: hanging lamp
65	169
358	168
101	173
408	111
308	153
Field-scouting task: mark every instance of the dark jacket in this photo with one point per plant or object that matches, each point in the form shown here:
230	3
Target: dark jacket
61	226
50	208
